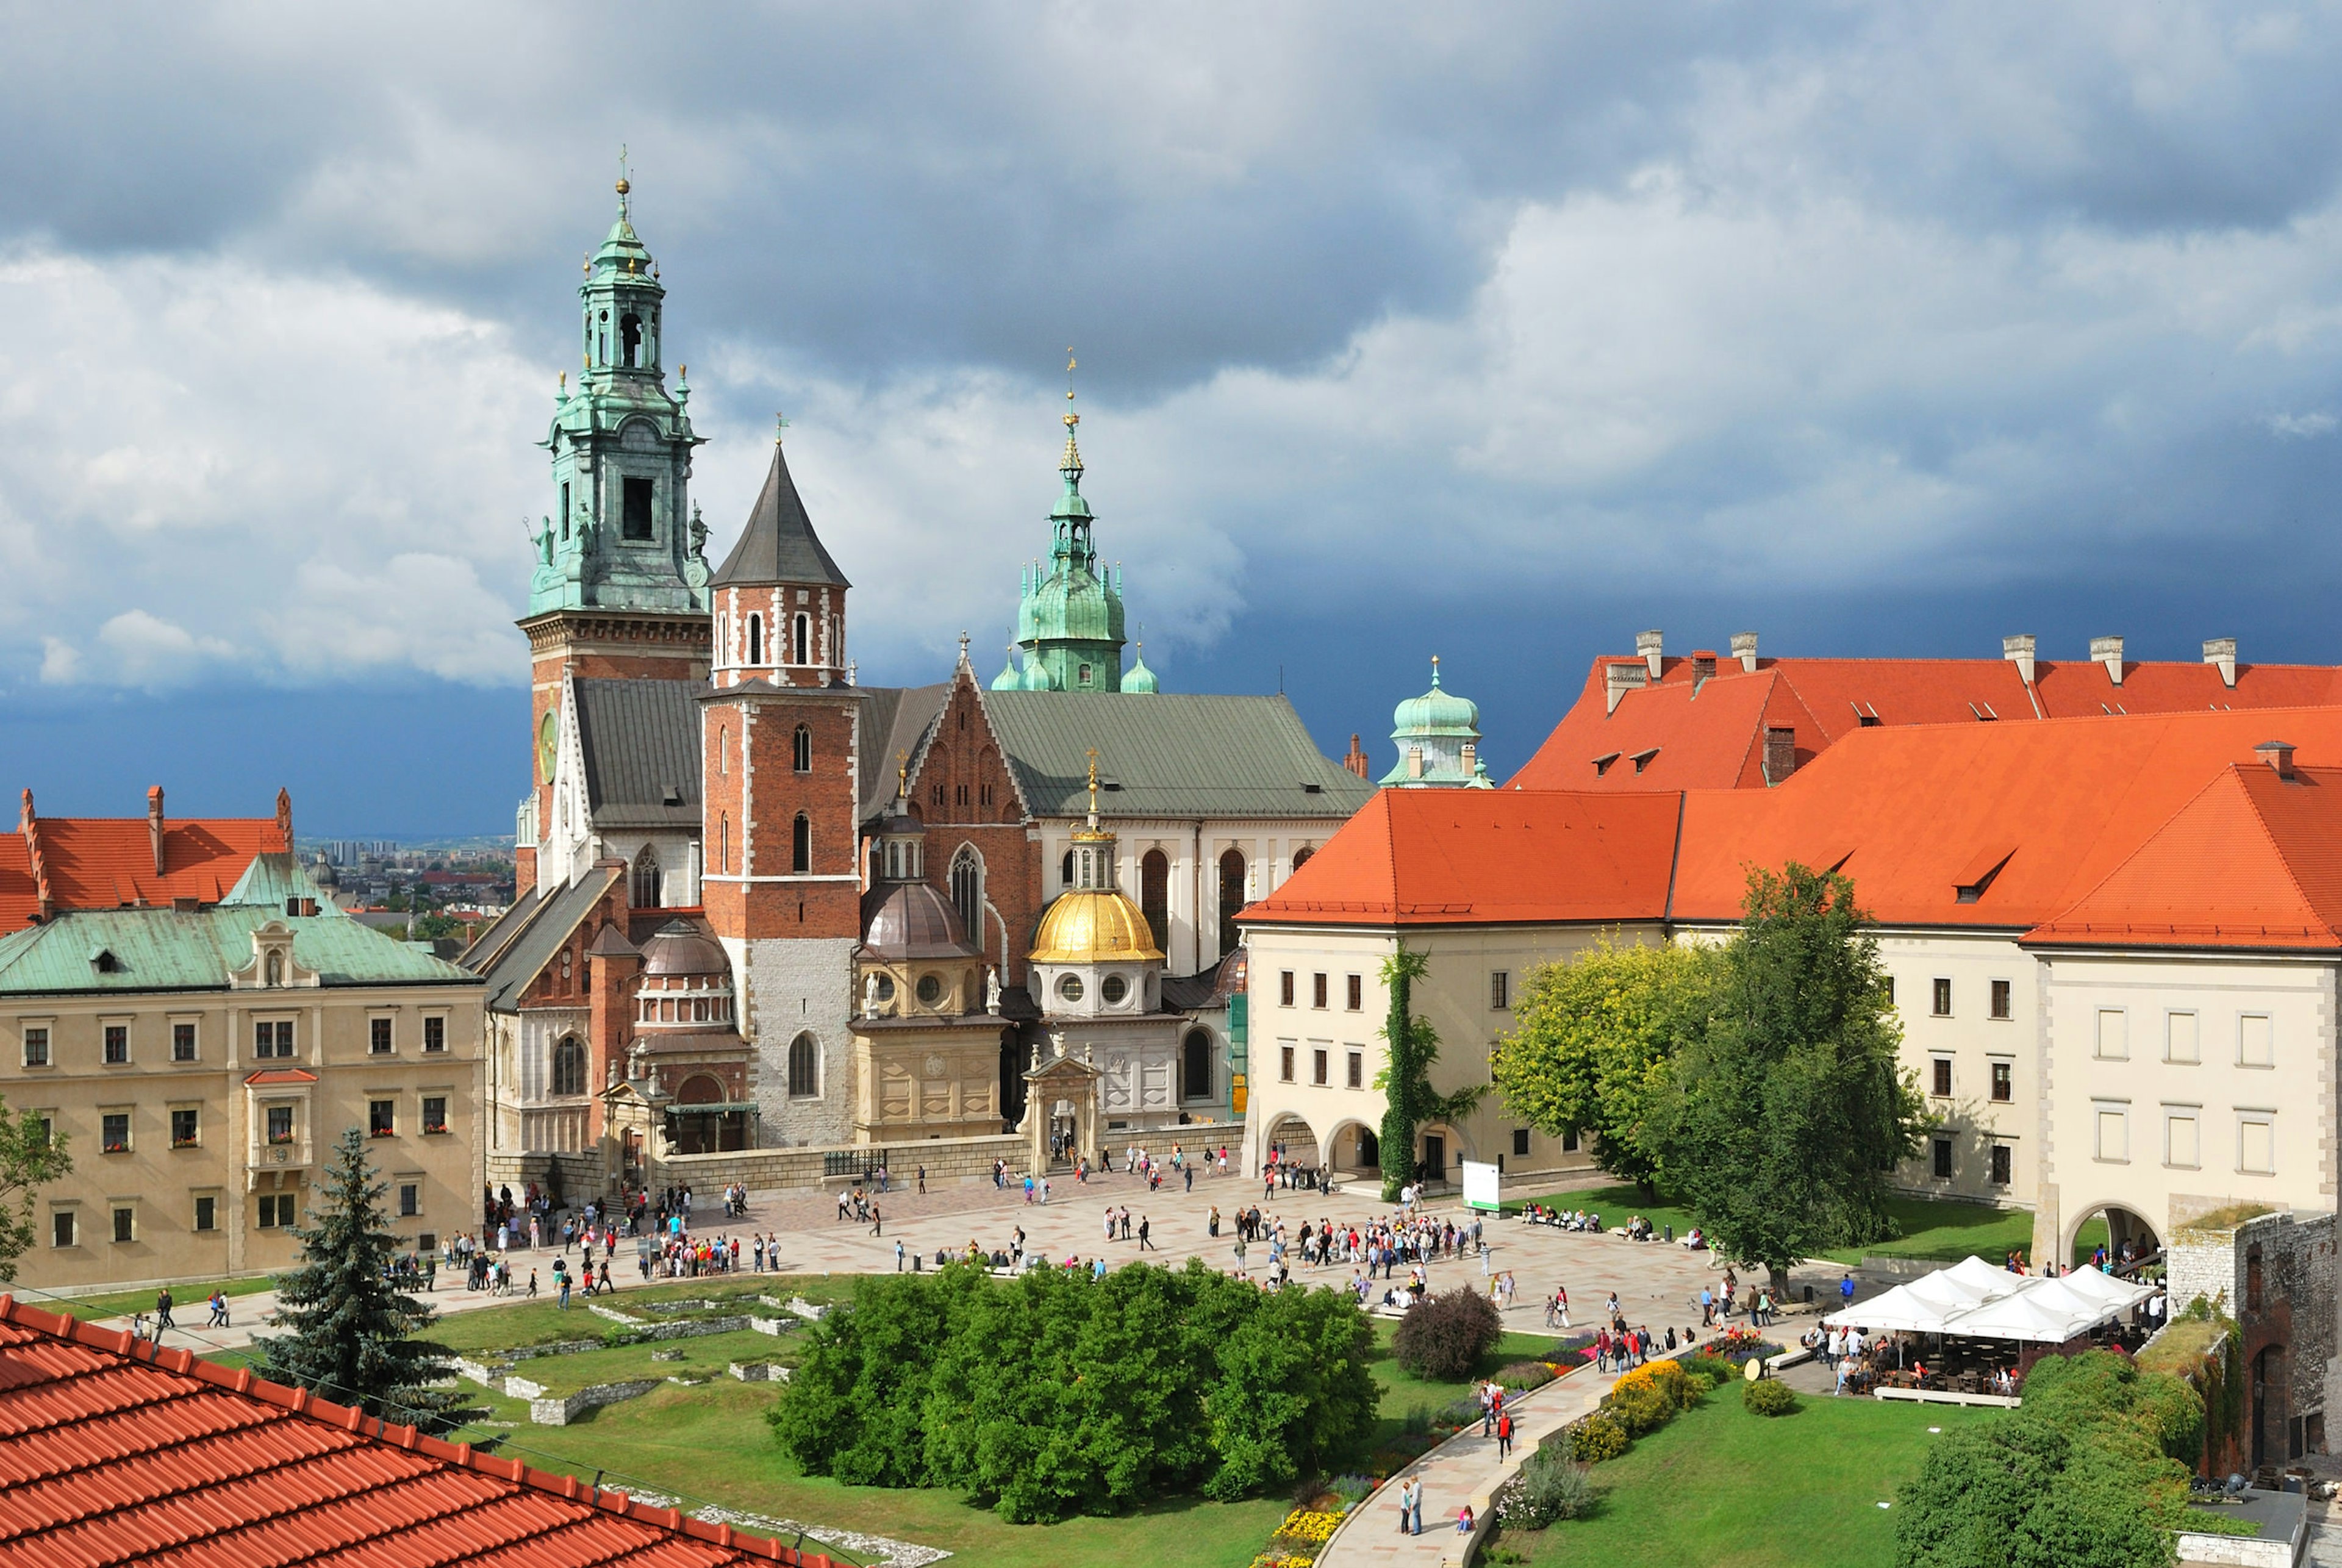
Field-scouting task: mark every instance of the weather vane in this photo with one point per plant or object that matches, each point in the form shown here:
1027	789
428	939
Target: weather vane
780	423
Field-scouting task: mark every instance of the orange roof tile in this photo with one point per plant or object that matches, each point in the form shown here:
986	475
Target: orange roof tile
117	1452
1459	856
105	863
1709	735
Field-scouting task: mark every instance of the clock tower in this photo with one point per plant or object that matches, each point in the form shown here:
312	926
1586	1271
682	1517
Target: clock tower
620	589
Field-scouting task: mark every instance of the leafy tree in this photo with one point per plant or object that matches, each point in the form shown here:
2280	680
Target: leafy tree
1408	1099
353	1331
1443	1337
1788	1114
1592	1044
32	1155
1294	1396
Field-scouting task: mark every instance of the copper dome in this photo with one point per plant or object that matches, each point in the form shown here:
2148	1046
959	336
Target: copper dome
912	920
678	949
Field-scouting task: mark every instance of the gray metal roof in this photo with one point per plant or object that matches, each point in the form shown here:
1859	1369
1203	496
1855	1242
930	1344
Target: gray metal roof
641	740
499	933
1169	755
893	722
558	914
778	545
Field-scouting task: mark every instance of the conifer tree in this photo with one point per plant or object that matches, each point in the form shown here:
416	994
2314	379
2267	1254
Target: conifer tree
353	1332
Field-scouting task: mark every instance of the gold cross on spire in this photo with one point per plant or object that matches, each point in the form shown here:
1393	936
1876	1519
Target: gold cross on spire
902	776
1093	755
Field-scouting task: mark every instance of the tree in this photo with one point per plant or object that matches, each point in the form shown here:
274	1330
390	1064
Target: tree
1592	1044
1443	1337
353	1330
1787	1114
31	1157
1408	1099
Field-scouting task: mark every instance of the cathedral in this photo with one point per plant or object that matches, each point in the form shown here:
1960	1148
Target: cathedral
762	905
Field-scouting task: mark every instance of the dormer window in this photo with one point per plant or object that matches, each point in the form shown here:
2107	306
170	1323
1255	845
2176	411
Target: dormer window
104	962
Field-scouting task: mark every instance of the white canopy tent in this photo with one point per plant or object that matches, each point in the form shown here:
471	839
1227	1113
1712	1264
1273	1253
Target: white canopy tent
1975	1299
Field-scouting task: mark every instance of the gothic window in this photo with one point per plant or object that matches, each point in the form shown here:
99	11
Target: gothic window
1301	856
636	523
801	844
804	1068
723	844
1196	1066
569	1066
565	511
1155	895
723	749
1232	897
804	753
756	639
1067	878
804	633
645	890
630	341
967	892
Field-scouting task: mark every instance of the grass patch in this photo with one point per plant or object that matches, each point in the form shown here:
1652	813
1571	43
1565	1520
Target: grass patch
186	1301
1616	1204
711	1443
1718	1485
2226	1218
701	1358
523	1321
1402	1391
1936	1229
2180	1347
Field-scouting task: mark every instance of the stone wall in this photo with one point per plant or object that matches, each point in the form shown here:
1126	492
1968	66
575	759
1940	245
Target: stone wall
788	987
947	1159
2277	1277
562	1412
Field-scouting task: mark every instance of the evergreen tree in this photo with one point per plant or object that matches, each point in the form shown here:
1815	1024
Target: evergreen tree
353	1331
1791	1111
1408	1099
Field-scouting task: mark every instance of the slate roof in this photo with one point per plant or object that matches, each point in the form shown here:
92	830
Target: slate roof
778	545
1169	755
641	742
521	957
115	1453
896	719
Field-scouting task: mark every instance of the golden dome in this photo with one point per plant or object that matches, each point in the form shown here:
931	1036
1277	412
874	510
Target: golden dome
1094	926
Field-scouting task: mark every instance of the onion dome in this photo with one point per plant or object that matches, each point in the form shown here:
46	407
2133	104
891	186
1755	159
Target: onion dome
1092	921
676	948
1139	678
1009	679
1436	713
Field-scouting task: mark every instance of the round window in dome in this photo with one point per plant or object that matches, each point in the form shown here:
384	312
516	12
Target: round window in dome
1113	988
931	986
1070	988
886	988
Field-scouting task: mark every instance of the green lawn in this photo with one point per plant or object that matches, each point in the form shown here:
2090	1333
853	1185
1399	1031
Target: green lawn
1402	1391
1936	1229
702	1357
1721	1486
186	1301
544	1322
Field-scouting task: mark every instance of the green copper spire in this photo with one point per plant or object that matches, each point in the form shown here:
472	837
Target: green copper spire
1069	615
623	535
1438	736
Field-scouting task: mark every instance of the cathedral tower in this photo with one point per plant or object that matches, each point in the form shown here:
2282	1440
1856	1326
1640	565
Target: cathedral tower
620	588
781	732
1069	615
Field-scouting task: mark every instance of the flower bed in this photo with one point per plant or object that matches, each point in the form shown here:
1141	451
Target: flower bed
1306	1530
1736	1345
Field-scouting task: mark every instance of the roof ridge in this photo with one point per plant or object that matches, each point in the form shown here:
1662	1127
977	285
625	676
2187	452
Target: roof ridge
181	1361
2268	835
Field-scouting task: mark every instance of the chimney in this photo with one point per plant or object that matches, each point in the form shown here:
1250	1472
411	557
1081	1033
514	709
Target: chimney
2107	651
1621	676
1357	759
1780	752
1414	762
1471	754
1646	648
2222	651
2018	650
154	825
2278	754
1703	668
1744	648
285	817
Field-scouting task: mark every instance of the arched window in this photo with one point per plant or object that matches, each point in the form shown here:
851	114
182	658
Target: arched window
804	750
756	639
645	889
724	843
1301	856
1067	880
630	341
804	1068
801	844
967	892
569	1066
1232	898
1196	1066
805	637
1155	895
723	750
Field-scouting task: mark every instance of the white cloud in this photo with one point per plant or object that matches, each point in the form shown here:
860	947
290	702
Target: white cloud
2300	426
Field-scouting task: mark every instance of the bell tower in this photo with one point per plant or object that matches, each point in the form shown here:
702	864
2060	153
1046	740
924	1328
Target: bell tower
1069	620
620	586
781	732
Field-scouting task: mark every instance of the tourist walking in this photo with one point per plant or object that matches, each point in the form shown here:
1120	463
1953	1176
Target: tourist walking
1504	1435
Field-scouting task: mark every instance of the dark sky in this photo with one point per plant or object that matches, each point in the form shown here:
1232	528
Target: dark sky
1498	332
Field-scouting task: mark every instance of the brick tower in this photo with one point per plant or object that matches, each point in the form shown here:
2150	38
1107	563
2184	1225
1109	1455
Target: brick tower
781	724
620	588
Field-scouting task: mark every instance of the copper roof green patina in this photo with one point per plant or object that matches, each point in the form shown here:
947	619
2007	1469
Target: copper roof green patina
1069	619
1439	737
623	535
146	950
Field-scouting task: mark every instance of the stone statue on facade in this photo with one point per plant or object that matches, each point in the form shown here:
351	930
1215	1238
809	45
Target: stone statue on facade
992	990
870	996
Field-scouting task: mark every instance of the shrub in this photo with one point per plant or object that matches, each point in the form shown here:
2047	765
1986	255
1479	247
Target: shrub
1521	1376
1769	1397
1550	1488
1417	1420
1704	1372
1641	1411
1596	1438
1444	1337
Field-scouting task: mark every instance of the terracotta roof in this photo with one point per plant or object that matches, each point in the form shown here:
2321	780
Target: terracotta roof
104	862
1710	733
116	1451
268	1076
1419	857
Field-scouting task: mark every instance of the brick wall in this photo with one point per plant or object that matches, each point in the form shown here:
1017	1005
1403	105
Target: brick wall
963	793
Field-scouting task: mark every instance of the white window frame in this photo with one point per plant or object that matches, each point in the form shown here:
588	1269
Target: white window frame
48	1030
2099	1110
2171	1037
2173	1112
2256	1117
2098	1017
382	1016
172	1022
2244	1023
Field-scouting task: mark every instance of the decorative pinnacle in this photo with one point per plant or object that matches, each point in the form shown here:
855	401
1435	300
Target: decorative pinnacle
902	776
780	424
1093	755
623	186
1071	463
1435	672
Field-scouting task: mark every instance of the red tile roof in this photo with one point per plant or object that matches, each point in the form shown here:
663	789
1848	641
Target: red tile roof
2155	830
115	1452
105	863
268	1076
1710	734
1468	856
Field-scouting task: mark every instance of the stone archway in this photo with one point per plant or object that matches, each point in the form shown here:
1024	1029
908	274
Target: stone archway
1354	1149
2123	1224
1298	1138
